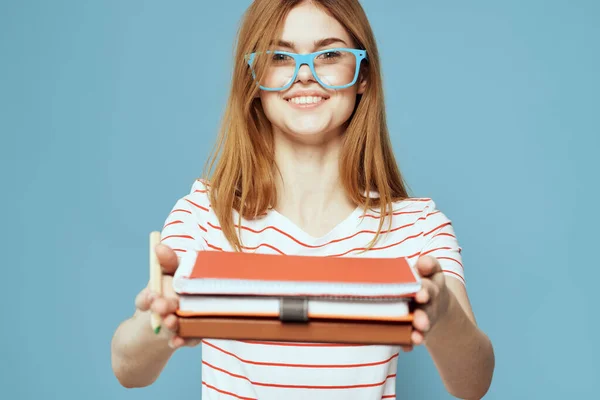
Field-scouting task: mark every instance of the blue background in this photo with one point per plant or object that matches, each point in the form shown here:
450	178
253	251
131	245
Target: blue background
108	110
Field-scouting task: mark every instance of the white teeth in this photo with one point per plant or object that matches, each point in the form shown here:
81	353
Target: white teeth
306	99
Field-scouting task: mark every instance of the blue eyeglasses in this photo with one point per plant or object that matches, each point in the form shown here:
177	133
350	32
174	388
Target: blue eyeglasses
333	68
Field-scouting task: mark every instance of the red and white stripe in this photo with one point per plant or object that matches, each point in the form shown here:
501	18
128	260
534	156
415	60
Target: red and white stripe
234	369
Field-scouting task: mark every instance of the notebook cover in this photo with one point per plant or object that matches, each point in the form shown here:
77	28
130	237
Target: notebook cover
267	306
376	333
208	313
268	267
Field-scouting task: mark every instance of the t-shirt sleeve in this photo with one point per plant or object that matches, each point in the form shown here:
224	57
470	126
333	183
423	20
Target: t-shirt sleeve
441	242
185	226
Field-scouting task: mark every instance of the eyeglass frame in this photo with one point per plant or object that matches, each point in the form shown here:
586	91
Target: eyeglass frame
308	59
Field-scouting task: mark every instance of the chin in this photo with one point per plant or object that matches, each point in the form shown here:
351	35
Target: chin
307	130
308	126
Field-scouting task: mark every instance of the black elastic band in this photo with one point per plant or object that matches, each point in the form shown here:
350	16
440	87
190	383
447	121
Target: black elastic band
293	309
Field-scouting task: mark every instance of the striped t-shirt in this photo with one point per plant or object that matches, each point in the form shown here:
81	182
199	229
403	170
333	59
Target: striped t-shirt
246	369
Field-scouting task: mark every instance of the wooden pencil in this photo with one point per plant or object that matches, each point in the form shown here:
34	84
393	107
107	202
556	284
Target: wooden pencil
155	278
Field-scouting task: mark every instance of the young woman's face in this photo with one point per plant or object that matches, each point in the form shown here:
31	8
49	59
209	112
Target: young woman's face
308	111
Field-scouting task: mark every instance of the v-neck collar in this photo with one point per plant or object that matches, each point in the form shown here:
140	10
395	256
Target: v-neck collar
279	220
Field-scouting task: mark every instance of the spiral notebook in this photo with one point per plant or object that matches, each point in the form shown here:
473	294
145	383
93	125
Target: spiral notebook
232	284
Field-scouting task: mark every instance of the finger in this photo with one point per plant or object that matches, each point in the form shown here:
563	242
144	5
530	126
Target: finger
428	266
421	320
164	306
176	342
192	342
171	322
143	300
439	279
428	291
167	258
417	338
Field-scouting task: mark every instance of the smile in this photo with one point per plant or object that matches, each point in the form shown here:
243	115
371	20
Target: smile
306	101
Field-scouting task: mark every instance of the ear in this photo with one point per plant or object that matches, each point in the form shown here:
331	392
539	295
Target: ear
362	86
362	80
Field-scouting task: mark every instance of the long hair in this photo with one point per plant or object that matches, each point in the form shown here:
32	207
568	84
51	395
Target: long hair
243	158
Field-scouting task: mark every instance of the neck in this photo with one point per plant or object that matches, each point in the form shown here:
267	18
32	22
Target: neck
309	181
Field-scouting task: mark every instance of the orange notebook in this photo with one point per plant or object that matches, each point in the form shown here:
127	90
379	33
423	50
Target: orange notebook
331	331
227	284
251	274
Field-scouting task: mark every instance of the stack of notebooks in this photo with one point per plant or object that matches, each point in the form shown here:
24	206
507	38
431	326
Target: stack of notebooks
249	296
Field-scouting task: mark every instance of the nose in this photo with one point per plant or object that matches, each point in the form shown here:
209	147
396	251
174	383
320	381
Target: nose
304	74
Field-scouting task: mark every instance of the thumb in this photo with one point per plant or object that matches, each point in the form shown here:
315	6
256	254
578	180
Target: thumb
167	258
428	266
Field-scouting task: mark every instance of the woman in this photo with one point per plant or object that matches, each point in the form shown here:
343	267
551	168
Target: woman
305	166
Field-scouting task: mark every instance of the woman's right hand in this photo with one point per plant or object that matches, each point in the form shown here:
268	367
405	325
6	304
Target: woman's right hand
166	304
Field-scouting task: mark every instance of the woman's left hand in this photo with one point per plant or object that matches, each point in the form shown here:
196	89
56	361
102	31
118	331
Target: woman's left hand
431	302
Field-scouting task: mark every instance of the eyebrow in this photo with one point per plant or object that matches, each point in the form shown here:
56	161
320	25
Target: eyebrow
317	43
